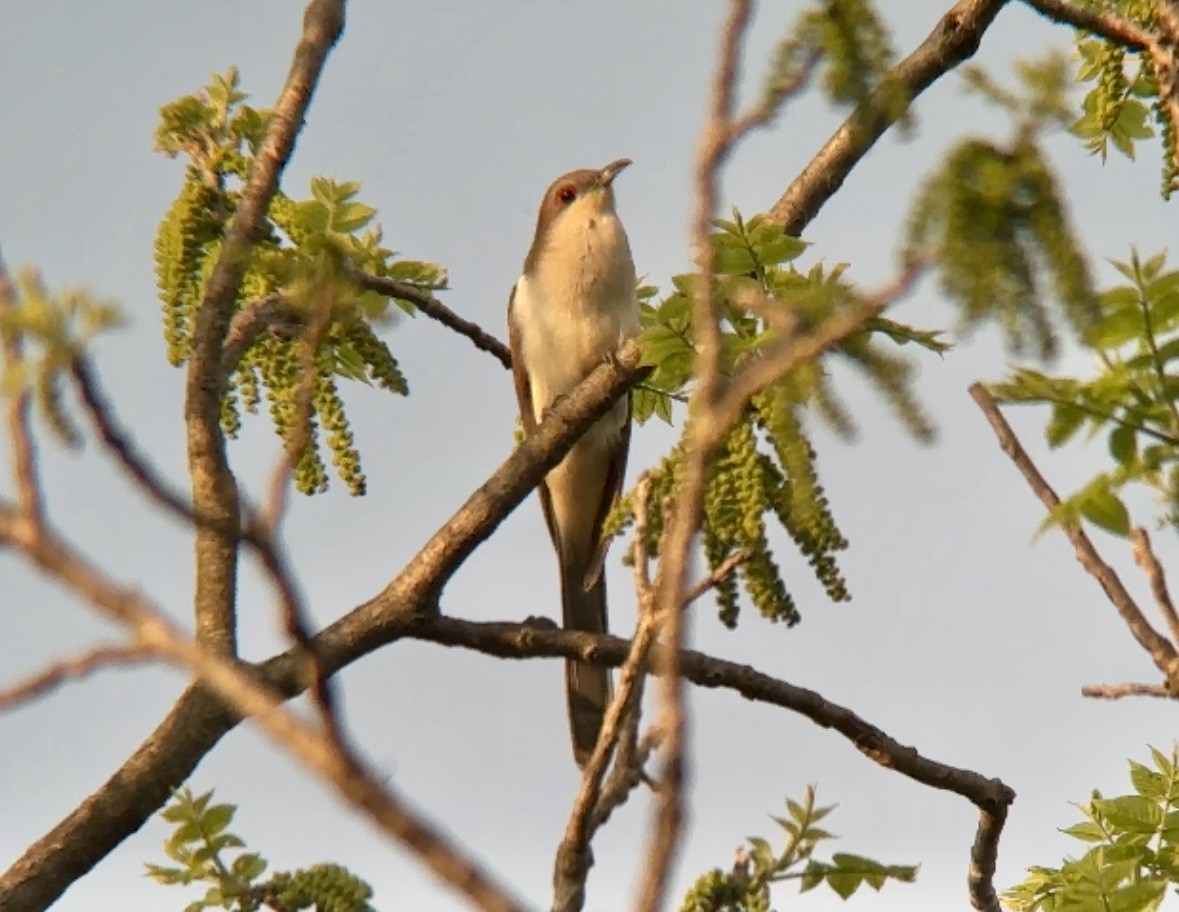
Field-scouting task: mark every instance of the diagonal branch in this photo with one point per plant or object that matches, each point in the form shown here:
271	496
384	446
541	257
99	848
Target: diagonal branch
74	668
1145	558
1160	649
435	310
954	39
24	454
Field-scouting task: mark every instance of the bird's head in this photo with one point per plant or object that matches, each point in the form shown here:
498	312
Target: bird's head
574	201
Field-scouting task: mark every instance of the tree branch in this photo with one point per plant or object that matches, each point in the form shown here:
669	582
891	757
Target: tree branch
700	437
71	669
1159	648
954	39
574	858
270	312
214	490
435	310
1145	558
1160	45
24	453
1118	691
1102	22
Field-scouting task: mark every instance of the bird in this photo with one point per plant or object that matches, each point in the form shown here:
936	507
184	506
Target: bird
572	306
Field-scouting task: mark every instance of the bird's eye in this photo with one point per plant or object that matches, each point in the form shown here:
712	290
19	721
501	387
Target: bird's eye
567	194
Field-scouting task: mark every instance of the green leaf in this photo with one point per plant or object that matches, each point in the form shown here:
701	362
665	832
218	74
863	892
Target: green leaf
1147	782
1123	444
248	866
1066	419
845	883
1143	896
1088	831
217	818
1132	813
1117	328
1105	509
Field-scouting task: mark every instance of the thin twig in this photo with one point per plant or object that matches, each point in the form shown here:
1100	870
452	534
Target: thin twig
294	615
1159	648
24	453
1118	691
572	864
726	569
121	445
80	666
272	312
435	310
627	774
1145	558
717	140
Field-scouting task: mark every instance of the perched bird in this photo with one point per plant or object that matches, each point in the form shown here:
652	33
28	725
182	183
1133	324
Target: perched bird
573	305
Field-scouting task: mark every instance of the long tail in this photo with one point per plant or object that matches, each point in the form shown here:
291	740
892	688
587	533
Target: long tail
587	687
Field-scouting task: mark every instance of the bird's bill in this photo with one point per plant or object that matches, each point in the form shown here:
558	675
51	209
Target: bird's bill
606	175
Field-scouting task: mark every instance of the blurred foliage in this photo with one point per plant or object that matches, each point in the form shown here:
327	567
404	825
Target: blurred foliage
54	328
746	887
767	464
199	848
1130	400
994	220
305	253
853	49
1134	854
1124	104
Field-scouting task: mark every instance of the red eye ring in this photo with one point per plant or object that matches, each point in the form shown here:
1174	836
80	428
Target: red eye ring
567	194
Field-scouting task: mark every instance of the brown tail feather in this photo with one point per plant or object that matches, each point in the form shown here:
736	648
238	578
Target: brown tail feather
587	687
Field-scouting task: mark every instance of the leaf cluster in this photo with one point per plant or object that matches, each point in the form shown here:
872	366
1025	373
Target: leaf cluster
54	329
1130	401
993	219
199	847
306	255
1133	855
746	887
766	466
853	48
1124	104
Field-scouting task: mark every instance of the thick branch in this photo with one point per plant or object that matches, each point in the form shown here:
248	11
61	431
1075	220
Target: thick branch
1158	646
954	39
1103	22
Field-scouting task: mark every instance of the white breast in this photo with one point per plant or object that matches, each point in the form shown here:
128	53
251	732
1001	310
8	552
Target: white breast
575	310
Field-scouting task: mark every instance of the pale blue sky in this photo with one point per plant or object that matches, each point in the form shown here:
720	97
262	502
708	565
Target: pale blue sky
964	639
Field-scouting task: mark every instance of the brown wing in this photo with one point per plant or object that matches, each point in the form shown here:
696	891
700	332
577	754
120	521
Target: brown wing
528	412
611	491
